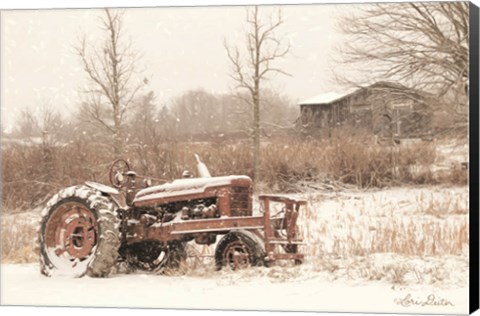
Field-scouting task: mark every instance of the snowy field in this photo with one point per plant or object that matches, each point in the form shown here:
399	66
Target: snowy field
22	284
392	250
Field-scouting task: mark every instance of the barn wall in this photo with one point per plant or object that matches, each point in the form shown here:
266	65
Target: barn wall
385	114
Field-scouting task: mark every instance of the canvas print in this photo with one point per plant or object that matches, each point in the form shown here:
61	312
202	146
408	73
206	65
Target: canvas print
264	157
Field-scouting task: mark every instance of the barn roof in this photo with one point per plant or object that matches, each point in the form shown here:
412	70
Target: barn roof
327	98
334	96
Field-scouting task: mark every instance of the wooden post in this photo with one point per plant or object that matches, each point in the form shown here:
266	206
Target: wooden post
267	228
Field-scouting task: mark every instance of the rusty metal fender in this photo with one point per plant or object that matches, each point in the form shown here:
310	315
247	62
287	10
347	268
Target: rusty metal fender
102	188
113	193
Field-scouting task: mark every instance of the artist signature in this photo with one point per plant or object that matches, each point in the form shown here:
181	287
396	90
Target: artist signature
430	300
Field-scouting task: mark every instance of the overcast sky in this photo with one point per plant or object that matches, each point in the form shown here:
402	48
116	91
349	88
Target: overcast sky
182	50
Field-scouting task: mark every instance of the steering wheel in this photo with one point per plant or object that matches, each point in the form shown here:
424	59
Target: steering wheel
118	172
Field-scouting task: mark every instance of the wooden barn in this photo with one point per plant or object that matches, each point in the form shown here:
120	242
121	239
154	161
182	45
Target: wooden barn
386	109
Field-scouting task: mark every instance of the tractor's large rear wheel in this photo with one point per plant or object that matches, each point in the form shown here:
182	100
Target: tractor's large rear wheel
79	234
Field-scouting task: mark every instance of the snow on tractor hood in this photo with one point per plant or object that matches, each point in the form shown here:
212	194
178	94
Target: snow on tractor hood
186	187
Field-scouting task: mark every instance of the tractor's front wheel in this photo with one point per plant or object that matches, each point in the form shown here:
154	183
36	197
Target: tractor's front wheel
79	234
239	249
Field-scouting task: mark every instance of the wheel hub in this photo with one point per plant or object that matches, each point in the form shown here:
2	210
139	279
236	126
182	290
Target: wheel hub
71	231
237	255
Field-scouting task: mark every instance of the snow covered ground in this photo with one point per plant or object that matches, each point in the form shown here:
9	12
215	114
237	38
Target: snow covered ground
22	284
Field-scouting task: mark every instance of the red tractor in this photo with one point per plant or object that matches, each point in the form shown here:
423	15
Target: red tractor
88	229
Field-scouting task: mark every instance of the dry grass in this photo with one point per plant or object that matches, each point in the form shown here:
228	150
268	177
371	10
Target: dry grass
32	173
427	203
18	240
353	235
402	270
360	231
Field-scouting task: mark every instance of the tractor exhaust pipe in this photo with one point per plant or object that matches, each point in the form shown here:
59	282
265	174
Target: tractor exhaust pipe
202	168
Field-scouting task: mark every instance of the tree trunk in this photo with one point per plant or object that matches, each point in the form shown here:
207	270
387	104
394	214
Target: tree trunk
117	133
256	137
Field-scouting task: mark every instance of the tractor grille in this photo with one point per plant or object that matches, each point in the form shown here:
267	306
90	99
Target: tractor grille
241	202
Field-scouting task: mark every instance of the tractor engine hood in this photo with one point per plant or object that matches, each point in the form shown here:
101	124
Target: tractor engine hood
186	189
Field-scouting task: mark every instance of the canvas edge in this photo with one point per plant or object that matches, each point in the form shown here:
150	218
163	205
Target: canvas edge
474	158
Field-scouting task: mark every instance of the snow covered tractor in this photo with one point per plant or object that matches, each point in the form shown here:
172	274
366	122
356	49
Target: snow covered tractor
92	229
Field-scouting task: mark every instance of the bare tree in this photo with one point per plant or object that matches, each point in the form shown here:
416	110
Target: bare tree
198	111
110	67
41	128
43	123
263	46
421	45
280	109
